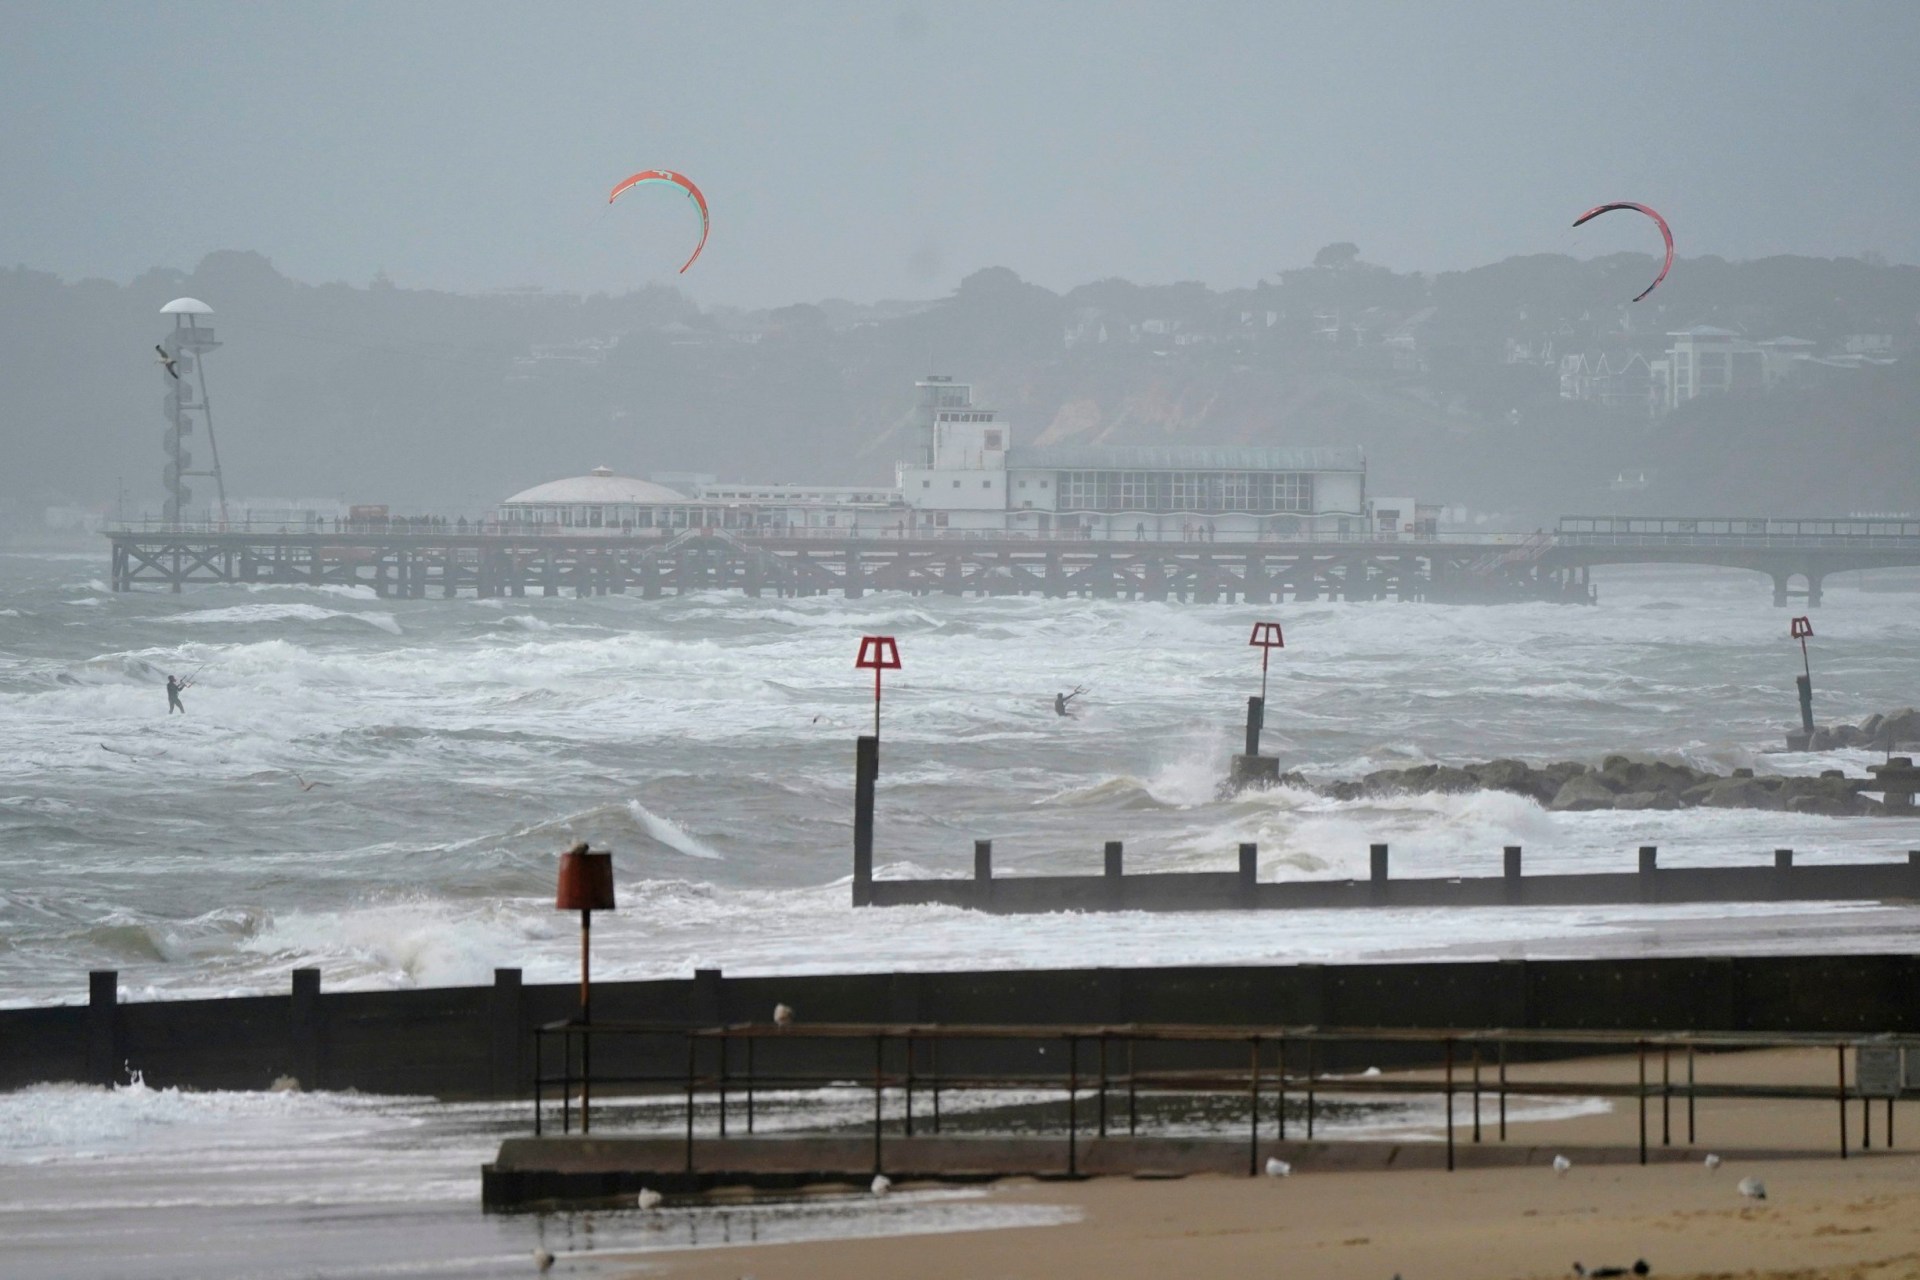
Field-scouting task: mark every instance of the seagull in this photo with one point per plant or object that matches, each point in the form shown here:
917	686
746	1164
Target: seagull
166	361
543	1260
648	1198
1278	1168
1753	1188
1561	1164
308	786
782	1015
1712	1162
882	1184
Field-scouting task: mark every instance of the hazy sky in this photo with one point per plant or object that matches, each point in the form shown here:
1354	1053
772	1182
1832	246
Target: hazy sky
888	149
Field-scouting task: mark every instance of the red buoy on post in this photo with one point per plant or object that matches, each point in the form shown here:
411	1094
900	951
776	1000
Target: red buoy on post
586	886
877	654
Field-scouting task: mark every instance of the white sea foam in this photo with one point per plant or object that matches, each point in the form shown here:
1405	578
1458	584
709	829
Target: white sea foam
260	614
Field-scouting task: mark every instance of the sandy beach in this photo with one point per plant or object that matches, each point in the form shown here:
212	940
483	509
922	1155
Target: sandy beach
1823	1217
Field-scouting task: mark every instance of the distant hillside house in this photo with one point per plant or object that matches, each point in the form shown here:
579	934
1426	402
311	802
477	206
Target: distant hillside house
1623	381
1705	361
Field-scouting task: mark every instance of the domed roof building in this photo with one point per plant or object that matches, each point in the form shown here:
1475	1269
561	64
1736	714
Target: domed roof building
598	500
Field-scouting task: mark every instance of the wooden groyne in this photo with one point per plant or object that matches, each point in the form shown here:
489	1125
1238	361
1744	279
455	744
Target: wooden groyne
467	1042
1241	889
1113	889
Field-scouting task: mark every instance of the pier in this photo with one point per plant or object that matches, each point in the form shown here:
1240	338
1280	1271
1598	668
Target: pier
1789	551
402	559
499	561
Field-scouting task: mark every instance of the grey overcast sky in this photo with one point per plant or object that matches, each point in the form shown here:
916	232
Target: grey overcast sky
871	150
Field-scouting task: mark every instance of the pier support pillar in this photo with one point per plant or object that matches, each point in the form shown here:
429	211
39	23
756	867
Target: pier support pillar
1115	874
105	1042
1510	872
855	584
1377	872
982	873
1255	589
1249	874
866	768
1779	590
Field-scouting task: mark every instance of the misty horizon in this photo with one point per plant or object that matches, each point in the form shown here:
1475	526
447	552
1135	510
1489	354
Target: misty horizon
863	153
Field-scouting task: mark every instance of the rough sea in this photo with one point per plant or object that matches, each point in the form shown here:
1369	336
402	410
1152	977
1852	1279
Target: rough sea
379	788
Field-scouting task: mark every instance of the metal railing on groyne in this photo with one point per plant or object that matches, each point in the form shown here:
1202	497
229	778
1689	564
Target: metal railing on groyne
1101	1070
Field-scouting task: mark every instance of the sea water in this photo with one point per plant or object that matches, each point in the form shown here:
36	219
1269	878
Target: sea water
379	787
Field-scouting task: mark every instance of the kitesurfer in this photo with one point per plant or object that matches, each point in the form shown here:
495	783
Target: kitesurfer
174	685
1060	700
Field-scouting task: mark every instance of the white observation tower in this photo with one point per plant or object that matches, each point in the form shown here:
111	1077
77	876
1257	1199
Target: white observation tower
182	371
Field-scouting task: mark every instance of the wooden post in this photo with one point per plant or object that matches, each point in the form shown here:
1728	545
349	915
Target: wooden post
104	1045
303	1026
866	768
505	1017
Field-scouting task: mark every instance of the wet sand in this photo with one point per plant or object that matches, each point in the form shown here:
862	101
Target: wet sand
1823	1217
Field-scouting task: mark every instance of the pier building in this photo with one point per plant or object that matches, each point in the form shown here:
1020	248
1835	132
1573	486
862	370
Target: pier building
969	475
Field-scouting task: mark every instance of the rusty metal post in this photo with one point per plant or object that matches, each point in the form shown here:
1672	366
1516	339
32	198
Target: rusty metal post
1073	1113
1132	1093
1840	1053
692	1045
1641	1046
879	1065
1253	1111
1476	1091
1309	1091
1503	1090
1103	1084
1690	1093
1666	1095
1280	1074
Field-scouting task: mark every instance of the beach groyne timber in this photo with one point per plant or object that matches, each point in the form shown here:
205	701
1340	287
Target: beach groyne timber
469	1042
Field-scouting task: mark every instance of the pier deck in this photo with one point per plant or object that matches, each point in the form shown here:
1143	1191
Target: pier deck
500	562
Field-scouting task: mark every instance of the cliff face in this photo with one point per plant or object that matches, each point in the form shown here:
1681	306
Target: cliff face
1452	384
